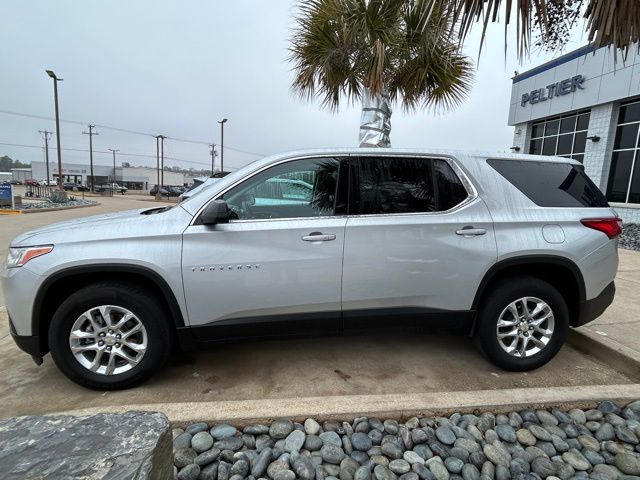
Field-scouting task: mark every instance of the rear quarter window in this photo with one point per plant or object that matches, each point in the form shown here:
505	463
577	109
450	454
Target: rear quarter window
551	184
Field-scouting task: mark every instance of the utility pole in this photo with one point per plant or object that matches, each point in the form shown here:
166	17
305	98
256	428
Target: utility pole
160	162
114	163
46	150
55	97
158	168
222	122
91	133
162	138
213	153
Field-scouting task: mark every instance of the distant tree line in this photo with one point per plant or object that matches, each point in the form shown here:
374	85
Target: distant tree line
7	163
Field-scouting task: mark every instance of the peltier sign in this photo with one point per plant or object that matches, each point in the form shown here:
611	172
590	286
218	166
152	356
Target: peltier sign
564	87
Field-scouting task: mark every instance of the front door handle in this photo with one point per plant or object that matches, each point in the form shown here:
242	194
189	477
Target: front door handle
470	231
318	237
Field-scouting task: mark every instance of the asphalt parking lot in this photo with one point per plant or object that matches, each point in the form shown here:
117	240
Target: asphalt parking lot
326	367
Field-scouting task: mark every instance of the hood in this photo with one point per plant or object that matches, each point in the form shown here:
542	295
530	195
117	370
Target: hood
56	231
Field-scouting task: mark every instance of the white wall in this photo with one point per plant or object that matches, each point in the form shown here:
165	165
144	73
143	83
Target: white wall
607	79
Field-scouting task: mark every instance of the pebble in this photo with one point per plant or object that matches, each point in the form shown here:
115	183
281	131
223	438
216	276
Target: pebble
546	418
525	437
280	429
210	472
453	464
574	458
597	444
294	441
361	441
628	463
470	472
497	455
311	427
229	443
201	442
543	467
332	438
183	457
190	472
223	431
383	473
399	466
182	441
439	471
506	433
605	432
332	453
412	457
445	435
540	433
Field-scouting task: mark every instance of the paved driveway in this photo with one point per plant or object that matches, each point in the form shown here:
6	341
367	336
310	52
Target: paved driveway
325	367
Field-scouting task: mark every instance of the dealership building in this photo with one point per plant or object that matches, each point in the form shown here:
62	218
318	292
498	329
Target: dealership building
585	105
134	178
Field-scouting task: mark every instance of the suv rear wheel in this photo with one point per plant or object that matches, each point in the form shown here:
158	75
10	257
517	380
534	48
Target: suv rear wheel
109	336
522	324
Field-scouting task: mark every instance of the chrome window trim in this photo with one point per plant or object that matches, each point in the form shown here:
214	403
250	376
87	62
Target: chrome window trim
472	192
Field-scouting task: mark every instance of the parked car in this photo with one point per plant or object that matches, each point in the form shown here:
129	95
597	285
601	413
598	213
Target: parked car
201	183
31	182
110	187
72	186
512	249
163	191
16	182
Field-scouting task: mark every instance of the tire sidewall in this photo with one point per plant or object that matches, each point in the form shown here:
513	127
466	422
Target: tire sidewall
507	292
140	304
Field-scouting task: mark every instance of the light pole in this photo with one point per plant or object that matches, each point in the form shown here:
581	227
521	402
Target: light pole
222	122
55	97
112	150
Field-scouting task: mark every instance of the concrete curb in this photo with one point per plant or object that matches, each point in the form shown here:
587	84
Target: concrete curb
40	210
606	350
400	406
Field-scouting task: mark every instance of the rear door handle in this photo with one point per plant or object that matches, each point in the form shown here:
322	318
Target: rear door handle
318	237
470	231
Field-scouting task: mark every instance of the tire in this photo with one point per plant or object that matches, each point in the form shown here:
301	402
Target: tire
155	335
495	306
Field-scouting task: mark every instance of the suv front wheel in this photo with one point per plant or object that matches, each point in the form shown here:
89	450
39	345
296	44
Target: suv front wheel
109	336
522	324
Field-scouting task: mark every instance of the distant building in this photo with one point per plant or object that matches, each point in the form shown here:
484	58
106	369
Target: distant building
20	174
134	178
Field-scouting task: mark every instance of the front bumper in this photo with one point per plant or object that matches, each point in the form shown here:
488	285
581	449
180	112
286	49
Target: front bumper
27	343
592	309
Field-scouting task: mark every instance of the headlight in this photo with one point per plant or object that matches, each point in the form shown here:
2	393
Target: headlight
17	257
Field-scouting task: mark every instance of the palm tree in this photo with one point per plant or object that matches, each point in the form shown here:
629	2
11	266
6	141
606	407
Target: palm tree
378	52
608	22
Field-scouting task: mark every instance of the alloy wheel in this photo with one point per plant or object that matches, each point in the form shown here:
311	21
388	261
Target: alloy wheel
525	327
108	340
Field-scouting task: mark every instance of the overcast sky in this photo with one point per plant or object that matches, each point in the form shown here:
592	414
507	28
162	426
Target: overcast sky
175	68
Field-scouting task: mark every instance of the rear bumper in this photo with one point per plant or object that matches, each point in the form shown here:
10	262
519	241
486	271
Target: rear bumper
592	309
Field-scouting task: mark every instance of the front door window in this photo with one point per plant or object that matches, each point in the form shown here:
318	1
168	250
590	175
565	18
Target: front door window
296	189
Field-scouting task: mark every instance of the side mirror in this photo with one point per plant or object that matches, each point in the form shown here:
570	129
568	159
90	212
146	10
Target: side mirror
215	212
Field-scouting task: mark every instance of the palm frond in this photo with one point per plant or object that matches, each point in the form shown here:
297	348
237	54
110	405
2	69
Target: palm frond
404	48
609	22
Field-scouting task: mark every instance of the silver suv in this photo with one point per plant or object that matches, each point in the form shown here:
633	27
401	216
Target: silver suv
512	249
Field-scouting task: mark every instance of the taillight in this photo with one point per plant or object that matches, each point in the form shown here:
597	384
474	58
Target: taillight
611	227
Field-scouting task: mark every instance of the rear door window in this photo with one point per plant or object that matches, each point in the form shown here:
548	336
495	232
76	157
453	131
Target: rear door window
389	185
551	184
